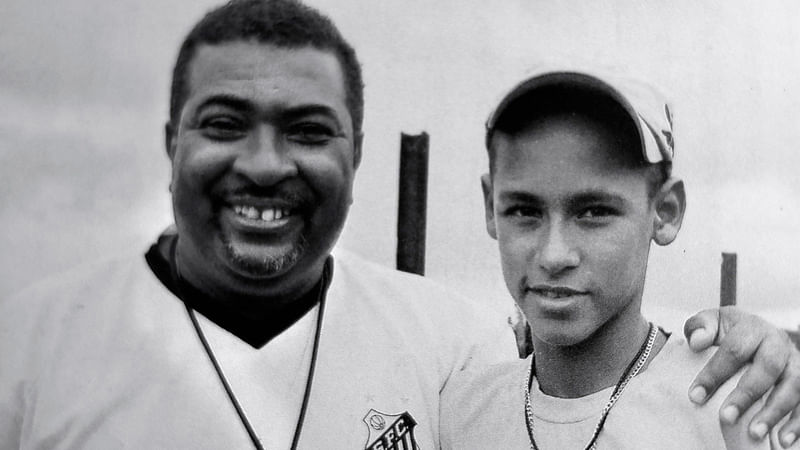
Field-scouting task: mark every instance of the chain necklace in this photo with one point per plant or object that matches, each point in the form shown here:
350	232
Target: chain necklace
631	371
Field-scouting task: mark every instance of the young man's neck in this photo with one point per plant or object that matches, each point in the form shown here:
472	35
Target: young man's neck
594	364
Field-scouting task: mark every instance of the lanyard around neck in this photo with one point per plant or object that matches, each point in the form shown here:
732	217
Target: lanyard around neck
232	396
221	375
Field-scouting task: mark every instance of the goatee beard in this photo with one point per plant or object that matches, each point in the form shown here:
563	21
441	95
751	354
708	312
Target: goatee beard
269	265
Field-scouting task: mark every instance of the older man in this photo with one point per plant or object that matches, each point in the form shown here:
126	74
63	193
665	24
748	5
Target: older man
242	329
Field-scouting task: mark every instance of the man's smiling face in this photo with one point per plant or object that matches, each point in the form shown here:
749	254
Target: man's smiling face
263	160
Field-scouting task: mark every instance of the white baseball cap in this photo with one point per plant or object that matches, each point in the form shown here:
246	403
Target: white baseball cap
646	106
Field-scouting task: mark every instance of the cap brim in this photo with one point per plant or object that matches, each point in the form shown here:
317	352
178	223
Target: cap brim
652	150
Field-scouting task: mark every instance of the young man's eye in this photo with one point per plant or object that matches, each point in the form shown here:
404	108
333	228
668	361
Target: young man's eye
596	212
523	212
311	133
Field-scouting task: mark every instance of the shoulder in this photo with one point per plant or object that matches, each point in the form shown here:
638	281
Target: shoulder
482	402
666	383
82	285
69	316
362	278
481	388
672	370
367	274
411	308
374	288
89	296
676	365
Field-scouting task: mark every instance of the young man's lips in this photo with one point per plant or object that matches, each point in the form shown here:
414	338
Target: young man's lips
555	292
556	301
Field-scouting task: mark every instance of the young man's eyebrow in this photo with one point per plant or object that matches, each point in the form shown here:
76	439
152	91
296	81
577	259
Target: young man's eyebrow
520	197
597	196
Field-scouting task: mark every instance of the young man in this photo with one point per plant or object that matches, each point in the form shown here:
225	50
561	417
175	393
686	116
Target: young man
579	187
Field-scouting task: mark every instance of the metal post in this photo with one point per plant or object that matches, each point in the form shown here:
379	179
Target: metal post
727	288
412	203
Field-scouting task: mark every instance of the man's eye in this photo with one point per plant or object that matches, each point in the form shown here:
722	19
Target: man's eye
311	133
223	127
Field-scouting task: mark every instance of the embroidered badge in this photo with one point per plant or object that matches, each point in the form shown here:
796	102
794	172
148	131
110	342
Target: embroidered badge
390	431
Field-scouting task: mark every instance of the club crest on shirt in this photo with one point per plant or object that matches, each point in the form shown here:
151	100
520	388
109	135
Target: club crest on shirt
390	431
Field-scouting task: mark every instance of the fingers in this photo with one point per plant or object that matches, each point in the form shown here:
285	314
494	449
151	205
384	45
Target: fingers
735	349
768	367
790	431
786	397
775	365
701	329
776	362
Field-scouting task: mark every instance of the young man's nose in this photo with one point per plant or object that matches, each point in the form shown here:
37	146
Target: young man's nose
556	253
266	160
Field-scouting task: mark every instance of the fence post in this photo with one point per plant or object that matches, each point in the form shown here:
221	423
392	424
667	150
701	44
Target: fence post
412	204
727	288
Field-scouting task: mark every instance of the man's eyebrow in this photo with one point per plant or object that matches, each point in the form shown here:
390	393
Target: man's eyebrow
286	113
229	101
299	111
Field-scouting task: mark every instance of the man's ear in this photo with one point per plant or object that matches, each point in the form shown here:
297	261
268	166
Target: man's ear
670	205
488	204
169	140
357	140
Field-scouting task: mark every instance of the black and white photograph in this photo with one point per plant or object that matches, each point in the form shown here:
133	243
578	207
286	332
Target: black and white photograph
349	224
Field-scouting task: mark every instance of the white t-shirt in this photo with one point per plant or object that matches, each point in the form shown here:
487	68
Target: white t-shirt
105	357
485	408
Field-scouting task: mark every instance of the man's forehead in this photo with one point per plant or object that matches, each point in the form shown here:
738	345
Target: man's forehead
252	69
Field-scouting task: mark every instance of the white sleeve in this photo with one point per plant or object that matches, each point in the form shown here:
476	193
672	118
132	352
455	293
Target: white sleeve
12	379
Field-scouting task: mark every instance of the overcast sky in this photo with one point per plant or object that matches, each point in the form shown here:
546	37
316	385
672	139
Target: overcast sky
84	89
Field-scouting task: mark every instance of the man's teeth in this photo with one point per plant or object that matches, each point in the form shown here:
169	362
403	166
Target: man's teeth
267	215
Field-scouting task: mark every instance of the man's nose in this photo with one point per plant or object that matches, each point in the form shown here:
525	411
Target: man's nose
266	159
556	253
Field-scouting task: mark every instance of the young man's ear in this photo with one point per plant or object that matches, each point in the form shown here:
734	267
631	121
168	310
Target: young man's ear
670	204
169	140
488	204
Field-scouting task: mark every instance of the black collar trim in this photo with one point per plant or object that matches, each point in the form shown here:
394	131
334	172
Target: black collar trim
256	331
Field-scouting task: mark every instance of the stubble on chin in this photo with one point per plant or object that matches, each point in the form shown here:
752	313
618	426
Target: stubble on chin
269	264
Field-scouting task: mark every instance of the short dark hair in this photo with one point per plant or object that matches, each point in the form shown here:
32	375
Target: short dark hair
597	106
283	23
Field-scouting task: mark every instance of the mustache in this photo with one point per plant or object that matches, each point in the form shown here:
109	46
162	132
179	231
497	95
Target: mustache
289	194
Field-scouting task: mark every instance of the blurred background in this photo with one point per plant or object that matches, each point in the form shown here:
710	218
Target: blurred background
84	90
